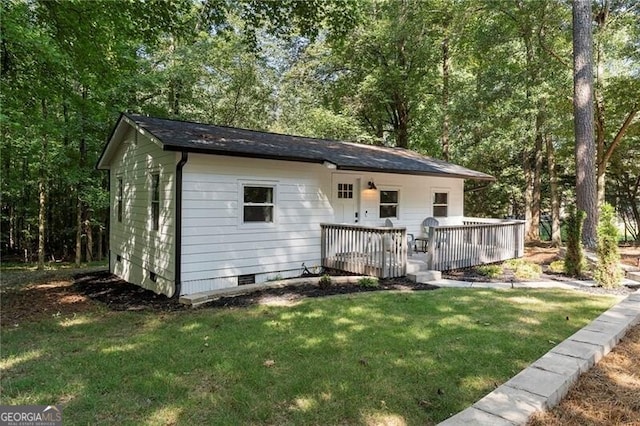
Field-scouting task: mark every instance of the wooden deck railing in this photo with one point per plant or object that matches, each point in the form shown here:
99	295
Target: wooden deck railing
475	242
376	251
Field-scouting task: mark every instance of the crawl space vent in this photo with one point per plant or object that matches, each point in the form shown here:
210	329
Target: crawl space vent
246	279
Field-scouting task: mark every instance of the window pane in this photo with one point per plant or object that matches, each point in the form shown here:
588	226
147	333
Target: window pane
155	187
388	211
258	194
258	213
120	191
440	198
440	211
156	215
388	196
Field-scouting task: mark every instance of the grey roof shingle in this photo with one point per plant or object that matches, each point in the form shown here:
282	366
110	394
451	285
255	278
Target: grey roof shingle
205	138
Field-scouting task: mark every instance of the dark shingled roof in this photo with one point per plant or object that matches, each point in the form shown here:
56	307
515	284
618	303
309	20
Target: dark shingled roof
208	139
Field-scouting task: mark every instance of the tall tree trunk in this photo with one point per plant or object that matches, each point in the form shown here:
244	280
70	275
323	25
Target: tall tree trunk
402	123
534	228
445	97
42	188
82	148
585	150
78	231
556	236
100	242
531	233
89	233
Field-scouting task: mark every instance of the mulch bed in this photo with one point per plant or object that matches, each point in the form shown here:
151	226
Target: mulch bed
607	394
67	297
118	295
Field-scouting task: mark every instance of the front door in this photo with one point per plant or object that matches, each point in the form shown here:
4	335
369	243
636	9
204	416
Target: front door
346	198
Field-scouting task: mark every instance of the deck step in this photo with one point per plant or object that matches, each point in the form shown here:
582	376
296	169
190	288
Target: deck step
416	265
425	276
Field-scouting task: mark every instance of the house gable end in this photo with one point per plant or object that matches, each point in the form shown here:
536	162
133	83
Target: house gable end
116	138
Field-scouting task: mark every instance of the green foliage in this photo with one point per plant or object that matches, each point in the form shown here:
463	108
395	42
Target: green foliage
325	281
608	272
557	266
574	262
490	271
371	282
524	269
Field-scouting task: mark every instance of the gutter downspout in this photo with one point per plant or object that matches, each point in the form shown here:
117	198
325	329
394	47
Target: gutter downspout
178	224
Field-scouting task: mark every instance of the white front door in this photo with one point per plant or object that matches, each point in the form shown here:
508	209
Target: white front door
346	198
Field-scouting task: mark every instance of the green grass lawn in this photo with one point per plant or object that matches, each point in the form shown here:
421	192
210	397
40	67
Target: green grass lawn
413	358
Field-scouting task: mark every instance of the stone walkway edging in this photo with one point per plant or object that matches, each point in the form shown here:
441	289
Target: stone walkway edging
543	384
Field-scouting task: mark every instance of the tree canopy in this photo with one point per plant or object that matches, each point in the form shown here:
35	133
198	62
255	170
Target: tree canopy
482	83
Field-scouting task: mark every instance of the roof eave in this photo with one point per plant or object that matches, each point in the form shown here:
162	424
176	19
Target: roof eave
209	151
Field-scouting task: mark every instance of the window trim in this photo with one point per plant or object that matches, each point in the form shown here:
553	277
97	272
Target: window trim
155	202
380	203
241	203
433	201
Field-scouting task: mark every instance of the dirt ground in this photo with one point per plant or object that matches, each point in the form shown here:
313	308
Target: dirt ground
607	394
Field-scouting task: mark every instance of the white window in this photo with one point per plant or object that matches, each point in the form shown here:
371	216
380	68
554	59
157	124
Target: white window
155	201
258	203
345	190
440	204
388	204
119	195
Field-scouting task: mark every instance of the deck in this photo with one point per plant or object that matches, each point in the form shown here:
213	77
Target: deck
383	252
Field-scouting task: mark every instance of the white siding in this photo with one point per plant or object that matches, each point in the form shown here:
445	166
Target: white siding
141	249
217	246
415	199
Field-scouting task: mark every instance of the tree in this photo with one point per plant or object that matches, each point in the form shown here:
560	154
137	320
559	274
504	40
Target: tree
390	64
585	150
617	89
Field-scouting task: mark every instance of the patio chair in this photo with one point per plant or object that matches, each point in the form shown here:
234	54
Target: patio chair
423	239
410	240
433	222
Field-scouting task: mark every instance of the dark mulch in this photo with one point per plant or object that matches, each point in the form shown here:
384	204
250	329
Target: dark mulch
294	293
119	295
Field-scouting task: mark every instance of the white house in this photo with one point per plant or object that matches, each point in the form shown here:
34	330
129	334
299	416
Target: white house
196	207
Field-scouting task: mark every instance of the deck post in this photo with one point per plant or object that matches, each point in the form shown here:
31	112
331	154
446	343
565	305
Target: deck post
431	247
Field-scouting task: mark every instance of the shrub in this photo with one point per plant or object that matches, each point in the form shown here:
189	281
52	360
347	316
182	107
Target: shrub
574	262
325	281
524	269
490	271
608	273
557	266
369	282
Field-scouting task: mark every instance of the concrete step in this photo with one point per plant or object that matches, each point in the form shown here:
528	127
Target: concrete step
634	276
416	265
425	276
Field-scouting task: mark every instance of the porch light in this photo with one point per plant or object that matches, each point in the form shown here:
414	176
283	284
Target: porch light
372	185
